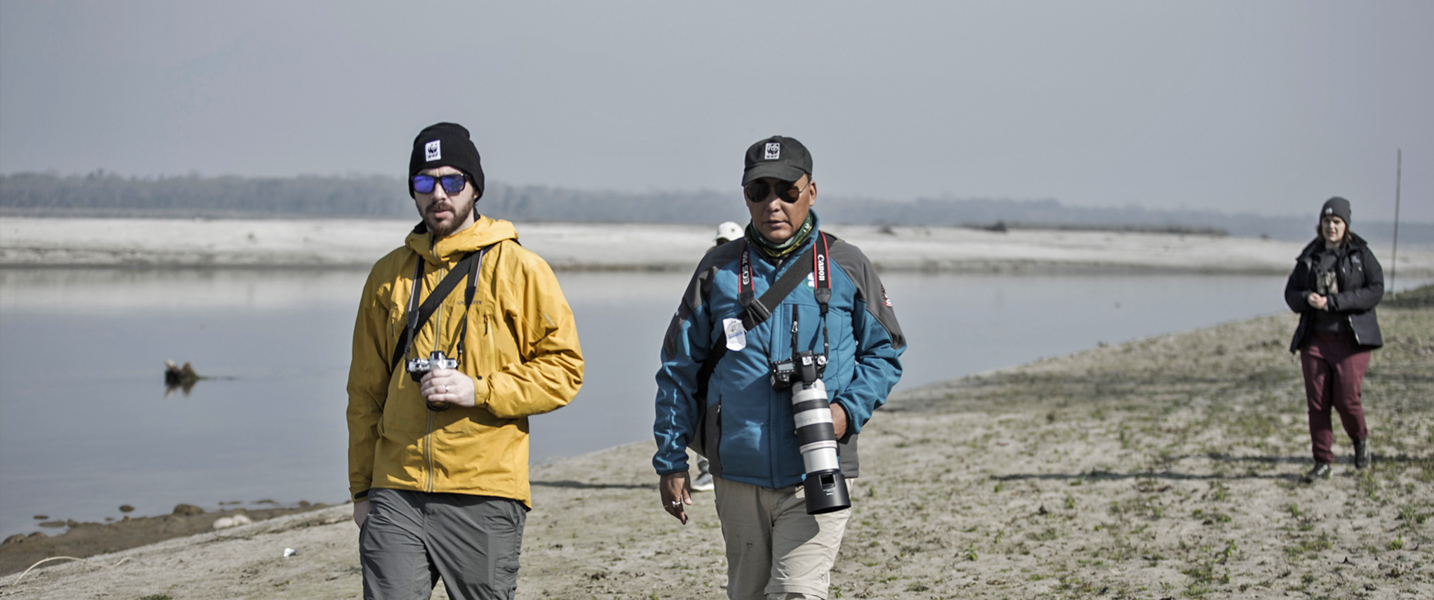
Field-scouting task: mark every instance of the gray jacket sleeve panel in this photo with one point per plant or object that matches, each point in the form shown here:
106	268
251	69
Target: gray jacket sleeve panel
869	289
698	290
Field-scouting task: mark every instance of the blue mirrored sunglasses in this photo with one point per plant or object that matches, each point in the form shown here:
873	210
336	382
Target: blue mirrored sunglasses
452	184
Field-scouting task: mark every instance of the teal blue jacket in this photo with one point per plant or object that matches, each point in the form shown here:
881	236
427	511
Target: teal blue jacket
751	434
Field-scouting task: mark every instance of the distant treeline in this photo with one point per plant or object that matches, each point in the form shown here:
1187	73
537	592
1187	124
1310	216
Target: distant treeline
107	195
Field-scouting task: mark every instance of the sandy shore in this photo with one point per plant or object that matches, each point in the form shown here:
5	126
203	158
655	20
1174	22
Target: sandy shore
358	243
1162	468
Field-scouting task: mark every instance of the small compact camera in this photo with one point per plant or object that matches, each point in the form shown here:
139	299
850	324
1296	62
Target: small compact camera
419	367
802	367
1328	284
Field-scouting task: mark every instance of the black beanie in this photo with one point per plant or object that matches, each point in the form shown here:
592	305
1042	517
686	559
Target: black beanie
446	145
1336	206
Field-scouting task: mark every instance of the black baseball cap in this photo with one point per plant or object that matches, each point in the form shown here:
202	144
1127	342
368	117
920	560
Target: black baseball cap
781	157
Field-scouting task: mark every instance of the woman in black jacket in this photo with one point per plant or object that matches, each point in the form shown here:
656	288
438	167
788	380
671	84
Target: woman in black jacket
1335	286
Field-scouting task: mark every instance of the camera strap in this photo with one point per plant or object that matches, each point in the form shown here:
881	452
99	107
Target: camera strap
466	267
756	309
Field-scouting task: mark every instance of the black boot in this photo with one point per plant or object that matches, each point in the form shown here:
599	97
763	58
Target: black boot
1320	471
1361	453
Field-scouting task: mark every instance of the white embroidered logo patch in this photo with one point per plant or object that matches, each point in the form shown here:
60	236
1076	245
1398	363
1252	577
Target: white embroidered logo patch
433	150
774	151
1329	211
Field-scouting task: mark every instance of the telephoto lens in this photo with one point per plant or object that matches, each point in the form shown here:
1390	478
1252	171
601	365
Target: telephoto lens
825	486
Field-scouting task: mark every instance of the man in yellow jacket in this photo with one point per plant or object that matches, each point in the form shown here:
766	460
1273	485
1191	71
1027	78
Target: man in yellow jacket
461	335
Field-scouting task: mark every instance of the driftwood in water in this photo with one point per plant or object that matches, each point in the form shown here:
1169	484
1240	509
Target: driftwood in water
177	377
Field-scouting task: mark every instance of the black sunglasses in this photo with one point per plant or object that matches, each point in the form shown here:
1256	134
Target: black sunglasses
452	183
786	190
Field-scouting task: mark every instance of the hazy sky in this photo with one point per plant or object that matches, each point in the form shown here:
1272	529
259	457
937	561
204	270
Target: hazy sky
1268	107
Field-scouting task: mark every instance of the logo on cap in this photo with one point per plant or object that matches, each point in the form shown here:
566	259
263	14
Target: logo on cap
433	150
1329	210
774	151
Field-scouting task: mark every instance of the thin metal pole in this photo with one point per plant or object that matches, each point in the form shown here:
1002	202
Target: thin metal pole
1394	256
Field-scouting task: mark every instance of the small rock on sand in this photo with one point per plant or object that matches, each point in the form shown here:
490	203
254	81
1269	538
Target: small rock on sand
187	510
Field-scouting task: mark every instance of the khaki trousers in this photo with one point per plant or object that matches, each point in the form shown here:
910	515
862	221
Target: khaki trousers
775	550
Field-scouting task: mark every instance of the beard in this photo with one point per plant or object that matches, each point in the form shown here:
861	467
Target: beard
446	226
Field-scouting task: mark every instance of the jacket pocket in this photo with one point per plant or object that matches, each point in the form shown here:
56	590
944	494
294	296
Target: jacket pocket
710	428
709	422
396	323
404	419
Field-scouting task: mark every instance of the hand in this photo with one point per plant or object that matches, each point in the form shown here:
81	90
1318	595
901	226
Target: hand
360	512
676	493
839	420
447	386
1318	302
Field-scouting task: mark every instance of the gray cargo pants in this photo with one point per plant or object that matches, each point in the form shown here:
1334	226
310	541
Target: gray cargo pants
410	539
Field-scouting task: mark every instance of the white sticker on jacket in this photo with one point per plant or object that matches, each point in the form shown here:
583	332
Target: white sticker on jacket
736	335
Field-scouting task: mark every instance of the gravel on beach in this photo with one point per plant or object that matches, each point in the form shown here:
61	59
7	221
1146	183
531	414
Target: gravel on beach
1166	467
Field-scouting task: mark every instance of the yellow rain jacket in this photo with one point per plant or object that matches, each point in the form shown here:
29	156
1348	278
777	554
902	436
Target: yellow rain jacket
521	348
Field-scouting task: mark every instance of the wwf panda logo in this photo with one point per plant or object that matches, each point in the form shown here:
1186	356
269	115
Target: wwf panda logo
773	151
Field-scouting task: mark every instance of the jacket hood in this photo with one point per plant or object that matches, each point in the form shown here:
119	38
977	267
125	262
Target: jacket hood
484	232
1355	243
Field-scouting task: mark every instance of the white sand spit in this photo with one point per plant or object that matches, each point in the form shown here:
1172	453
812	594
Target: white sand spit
629	246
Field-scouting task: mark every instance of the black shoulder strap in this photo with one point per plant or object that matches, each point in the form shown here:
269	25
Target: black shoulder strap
758	310
416	319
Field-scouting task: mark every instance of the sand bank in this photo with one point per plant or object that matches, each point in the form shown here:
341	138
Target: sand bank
1165	467
631	246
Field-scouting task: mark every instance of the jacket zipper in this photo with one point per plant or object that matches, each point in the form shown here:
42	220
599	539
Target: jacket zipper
428	438
1344	269
428	452
774	464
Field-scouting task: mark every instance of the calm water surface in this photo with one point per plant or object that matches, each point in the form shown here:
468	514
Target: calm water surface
85	424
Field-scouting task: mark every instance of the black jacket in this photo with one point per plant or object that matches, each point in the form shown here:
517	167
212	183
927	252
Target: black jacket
1361	285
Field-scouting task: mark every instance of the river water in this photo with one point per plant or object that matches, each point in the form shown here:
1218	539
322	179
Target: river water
86	425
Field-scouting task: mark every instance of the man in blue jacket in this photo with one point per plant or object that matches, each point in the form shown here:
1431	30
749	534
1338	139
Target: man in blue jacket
739	417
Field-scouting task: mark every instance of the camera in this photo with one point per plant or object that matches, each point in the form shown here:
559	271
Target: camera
418	367
1328	283
825	486
802	367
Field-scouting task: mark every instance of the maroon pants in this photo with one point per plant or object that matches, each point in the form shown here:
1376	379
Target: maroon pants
1334	368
